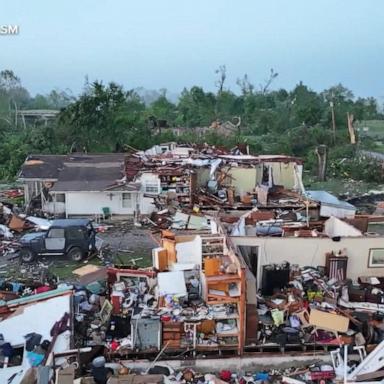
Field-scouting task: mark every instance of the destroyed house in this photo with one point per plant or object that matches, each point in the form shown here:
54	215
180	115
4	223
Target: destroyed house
266	240
194	301
164	175
303	287
36	331
211	177
302	229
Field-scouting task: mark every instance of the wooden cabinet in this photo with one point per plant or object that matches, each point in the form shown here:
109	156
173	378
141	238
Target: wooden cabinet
160	259
224	288
172	333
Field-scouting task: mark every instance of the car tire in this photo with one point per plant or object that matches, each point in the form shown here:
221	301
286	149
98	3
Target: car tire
26	255
75	254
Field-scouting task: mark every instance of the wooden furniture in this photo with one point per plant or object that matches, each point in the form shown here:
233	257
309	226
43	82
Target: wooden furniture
178	181
160	259
219	289
336	266
172	333
225	288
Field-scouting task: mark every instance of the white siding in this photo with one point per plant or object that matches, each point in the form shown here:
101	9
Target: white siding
91	203
146	204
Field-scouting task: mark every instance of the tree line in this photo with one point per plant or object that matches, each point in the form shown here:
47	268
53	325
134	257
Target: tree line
108	118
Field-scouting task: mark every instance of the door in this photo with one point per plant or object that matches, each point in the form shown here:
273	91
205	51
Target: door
250	256
55	240
127	202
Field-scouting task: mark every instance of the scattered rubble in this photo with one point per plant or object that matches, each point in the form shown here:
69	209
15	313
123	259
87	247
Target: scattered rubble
236	259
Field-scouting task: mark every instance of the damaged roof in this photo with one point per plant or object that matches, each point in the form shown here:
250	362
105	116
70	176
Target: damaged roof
48	167
42	167
262	158
324	197
86	178
77	171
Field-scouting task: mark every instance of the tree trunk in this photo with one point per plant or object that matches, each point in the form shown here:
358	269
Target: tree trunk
351	128
321	152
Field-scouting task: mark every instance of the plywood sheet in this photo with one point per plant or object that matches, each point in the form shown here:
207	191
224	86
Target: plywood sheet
89	268
328	321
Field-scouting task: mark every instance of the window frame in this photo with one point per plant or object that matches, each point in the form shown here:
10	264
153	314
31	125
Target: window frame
371	258
124	200
154	187
56	237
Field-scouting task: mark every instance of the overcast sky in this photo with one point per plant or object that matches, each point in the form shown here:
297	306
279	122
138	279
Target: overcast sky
176	43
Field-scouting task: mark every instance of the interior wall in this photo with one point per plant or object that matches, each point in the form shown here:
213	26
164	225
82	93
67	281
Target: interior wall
202	176
243	179
283	173
311	252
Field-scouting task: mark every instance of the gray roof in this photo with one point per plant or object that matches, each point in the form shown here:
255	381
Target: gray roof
50	166
88	178
326	198
42	166
75	172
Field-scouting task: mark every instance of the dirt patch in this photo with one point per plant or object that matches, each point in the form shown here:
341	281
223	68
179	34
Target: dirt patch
126	244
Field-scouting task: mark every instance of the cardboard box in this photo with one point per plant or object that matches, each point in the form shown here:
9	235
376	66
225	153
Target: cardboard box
246	199
66	376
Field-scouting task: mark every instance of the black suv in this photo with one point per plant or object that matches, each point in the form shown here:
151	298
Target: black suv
72	237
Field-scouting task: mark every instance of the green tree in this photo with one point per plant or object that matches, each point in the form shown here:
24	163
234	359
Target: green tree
163	109
196	108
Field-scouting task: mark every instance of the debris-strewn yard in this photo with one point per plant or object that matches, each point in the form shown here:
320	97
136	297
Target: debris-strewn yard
126	244
123	244
344	188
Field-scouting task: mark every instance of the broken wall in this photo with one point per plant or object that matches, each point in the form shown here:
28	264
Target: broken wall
311	252
246	179
283	173
243	179
32	188
202	176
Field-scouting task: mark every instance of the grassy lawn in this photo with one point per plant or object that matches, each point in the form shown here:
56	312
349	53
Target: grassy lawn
341	187
139	259
63	270
375	128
